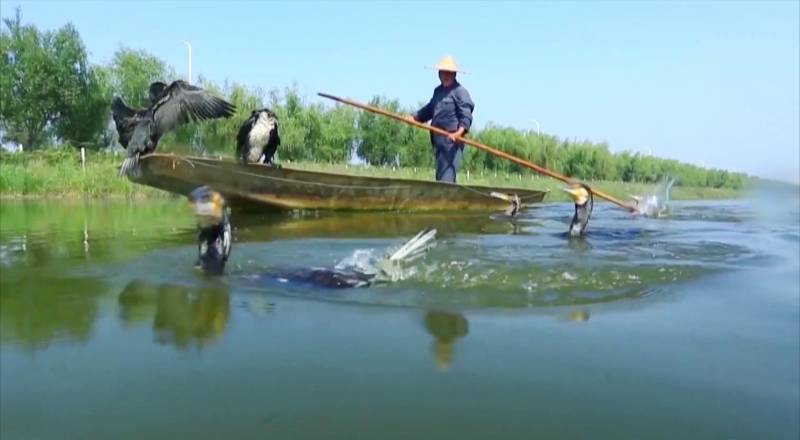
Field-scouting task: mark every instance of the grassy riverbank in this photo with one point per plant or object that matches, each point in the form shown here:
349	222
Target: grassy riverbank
527	180
59	174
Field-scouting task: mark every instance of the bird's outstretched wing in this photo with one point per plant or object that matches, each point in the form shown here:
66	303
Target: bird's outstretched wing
184	102
125	119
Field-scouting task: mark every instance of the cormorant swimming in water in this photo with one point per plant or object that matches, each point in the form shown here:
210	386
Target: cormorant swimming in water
584	202
214	247
214	230
258	137
170	106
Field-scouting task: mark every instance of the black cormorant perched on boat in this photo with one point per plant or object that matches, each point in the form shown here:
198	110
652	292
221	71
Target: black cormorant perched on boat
170	106
258	138
584	203
214	247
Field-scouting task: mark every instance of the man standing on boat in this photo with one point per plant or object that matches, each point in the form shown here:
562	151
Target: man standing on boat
450	109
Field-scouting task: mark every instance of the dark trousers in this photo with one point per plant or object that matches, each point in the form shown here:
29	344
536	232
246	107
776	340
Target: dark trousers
448	158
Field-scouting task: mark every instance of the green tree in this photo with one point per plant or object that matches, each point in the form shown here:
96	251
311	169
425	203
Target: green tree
47	86
381	137
338	134
132	71
416	151
84	121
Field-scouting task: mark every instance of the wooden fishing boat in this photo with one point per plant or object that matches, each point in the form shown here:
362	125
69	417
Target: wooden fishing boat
265	187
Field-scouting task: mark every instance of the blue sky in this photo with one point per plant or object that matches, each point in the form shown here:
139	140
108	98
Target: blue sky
712	83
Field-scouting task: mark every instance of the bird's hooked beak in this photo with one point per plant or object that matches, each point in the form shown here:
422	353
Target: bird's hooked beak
578	193
209	206
156	90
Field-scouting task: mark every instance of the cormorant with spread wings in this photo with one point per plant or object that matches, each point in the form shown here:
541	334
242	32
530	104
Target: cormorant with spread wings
170	106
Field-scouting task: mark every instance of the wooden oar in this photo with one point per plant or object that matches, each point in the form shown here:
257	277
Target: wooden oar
476	144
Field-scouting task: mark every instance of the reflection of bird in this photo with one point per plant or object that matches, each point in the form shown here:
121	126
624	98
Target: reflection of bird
584	203
180	315
514	200
137	302
214	247
446	328
190	316
579	315
258	137
170	106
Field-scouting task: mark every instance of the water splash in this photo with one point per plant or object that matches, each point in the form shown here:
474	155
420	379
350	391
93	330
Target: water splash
396	264
362	260
655	203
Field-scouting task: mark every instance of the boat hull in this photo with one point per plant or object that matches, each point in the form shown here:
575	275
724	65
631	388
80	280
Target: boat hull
265	187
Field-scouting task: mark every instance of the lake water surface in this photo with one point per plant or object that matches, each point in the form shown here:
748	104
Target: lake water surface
678	328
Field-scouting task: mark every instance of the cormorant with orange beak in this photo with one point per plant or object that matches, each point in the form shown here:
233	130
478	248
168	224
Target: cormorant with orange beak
214	248
584	203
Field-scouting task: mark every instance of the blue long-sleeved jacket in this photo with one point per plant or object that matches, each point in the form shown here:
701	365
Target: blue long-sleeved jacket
448	109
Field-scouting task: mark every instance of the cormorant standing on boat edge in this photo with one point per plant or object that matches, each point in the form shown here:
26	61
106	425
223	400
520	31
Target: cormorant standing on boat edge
258	138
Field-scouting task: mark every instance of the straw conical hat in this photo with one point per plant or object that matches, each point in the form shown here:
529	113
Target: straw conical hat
448	63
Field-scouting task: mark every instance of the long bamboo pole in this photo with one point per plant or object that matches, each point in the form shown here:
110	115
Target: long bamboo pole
476	144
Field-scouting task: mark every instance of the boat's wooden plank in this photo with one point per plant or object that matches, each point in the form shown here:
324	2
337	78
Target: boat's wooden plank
286	188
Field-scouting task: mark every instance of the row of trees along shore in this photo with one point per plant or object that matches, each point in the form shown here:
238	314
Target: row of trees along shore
53	96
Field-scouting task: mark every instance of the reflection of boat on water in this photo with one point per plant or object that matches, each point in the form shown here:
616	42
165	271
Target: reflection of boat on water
307	224
265	187
446	328
181	316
